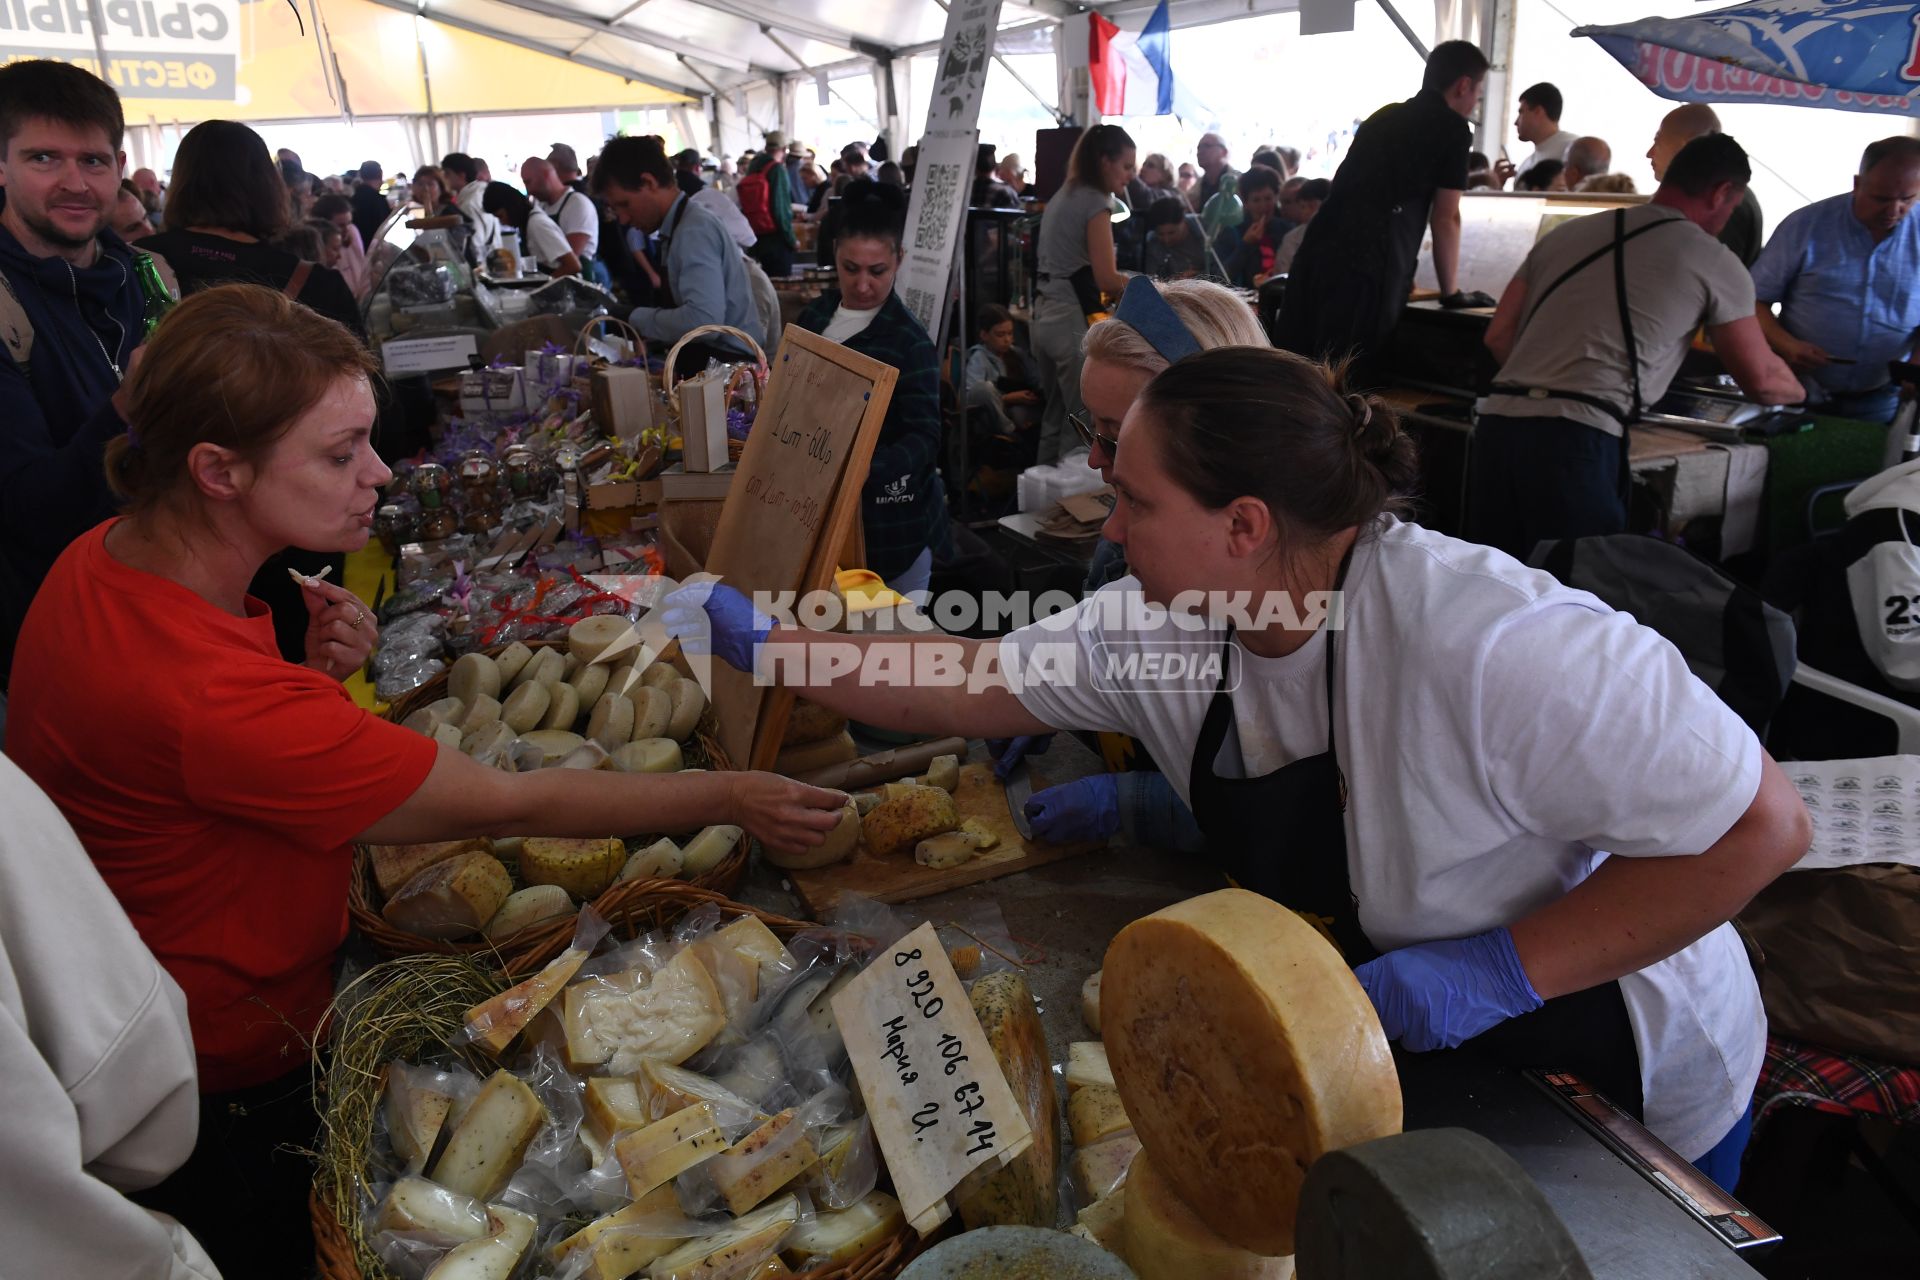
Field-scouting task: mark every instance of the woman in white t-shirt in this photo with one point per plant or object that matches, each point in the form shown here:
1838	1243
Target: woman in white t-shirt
1514	809
540	236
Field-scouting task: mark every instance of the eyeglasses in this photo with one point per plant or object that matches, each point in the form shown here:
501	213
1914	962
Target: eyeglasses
1083	427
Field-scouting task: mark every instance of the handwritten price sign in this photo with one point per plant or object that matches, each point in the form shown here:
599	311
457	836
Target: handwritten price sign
940	1106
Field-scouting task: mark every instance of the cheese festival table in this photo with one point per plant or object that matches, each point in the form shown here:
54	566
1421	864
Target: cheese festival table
1062	917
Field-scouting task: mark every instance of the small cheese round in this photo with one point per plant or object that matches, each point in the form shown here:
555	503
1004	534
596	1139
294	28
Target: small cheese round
588	683
494	736
660	675
648	755
837	847
546	664
563	707
652	712
689	704
447	709
588	638
1163	1239
473	675
511	660
611	723
526	707
481	712
1244	1049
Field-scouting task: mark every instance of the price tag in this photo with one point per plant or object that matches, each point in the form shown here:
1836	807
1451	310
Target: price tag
426	355
939	1103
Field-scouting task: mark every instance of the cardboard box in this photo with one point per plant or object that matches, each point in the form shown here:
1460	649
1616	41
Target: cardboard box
622	399
703	422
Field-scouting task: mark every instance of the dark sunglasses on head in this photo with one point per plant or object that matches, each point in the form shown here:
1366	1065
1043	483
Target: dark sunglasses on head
1084	428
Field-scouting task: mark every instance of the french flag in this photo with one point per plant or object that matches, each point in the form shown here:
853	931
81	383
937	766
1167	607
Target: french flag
1132	74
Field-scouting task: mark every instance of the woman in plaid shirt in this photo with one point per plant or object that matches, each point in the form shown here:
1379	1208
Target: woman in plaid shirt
904	504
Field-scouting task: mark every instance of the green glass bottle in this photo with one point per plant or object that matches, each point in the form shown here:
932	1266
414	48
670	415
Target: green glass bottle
159	298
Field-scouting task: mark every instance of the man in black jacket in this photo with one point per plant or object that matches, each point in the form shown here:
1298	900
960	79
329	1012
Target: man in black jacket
70	318
370	208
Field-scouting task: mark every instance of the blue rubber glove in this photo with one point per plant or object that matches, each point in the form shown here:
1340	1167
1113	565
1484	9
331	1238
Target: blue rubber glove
1435	995
1007	752
713	618
1087	809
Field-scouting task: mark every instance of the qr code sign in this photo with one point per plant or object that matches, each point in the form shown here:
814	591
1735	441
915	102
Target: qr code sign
920	302
943	185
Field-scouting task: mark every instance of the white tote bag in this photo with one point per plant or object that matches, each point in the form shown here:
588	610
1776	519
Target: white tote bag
1885	585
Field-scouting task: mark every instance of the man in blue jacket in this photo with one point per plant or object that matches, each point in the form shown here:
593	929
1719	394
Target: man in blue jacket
70	318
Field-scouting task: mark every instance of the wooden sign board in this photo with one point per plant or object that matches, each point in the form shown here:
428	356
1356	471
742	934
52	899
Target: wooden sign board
793	506
938	1100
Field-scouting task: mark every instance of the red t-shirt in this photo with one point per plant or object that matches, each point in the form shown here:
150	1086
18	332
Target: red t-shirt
216	786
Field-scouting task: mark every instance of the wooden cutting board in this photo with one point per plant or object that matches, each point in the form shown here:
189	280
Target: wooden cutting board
900	879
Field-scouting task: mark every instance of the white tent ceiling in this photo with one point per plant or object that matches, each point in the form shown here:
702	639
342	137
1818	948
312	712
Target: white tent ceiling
704	47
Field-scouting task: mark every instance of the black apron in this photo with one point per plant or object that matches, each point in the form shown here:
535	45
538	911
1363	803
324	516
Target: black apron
1284	835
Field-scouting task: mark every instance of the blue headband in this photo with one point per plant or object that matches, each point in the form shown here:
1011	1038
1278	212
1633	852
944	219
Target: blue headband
1142	307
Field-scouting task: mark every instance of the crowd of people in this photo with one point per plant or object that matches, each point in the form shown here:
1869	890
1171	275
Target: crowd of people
176	692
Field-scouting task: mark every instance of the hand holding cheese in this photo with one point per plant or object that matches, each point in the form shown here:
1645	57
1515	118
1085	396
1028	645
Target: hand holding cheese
341	632
1435	995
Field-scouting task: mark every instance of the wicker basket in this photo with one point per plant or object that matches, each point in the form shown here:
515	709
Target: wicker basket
335	1255
524	952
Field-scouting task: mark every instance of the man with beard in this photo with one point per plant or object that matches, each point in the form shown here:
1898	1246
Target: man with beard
70	318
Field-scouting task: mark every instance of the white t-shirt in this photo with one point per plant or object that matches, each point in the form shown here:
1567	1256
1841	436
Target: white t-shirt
486	227
544	240
847	323
1554	148
1497	731
576	216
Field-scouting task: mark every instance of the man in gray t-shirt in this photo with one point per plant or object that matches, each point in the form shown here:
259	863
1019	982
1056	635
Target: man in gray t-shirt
1549	449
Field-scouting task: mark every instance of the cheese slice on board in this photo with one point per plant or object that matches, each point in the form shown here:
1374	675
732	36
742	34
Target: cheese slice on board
1243	1049
1162	1239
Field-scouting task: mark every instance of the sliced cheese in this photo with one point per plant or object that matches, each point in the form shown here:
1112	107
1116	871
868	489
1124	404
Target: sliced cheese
415	1204
1087	1064
487	1145
395	864
1244	1049
1100	1221
495	1257
763	1162
705	851
613	1105
528	907
496	1023
1096	1112
584	868
1098	1169
658	861
733	1253
1163	1239
618	1244
1024	1191
670	1017
944	851
835	1236
653	1156
664	1089
450	899
416	1113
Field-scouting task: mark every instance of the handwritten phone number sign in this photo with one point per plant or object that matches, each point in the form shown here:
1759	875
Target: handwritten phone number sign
939	1103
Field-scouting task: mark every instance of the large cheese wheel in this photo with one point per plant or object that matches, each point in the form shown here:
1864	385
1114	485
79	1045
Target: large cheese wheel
1025	1191
1163	1239
1244	1049
1433	1204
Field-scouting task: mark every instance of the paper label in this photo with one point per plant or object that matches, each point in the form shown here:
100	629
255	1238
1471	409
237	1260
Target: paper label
427	355
939	1103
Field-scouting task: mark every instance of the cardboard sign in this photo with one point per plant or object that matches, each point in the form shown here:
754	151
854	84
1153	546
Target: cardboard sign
939	1103
792	506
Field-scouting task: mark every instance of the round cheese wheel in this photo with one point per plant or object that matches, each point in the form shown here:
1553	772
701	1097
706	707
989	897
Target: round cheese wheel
652	712
546	664
689	704
492	738
563	707
1244	1050
659	676
511	660
481	712
648	755
588	683
837	847
526	707
1432	1204
473	675
588	638
1163	1239
611	723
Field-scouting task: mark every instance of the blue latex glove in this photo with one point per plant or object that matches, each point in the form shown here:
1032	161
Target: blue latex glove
1007	752
1087	809
713	618
1435	995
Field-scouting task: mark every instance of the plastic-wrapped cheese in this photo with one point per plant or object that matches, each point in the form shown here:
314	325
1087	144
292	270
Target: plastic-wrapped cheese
488	1143
627	1019
655	1155
497	1022
1243	1048
452	898
762	1162
1163	1239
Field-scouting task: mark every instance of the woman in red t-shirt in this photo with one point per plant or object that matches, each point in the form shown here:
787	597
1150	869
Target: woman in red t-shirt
218	787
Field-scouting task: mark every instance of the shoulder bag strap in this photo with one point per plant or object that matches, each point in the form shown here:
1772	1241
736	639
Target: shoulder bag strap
1633	353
